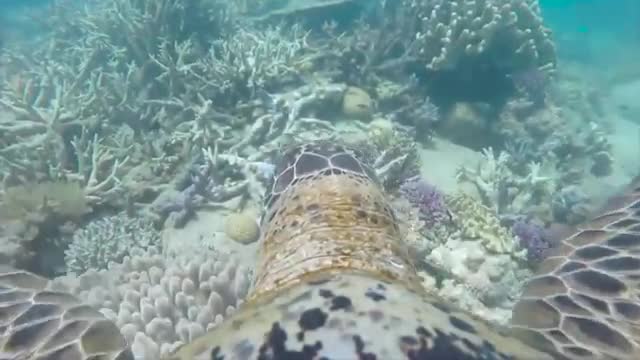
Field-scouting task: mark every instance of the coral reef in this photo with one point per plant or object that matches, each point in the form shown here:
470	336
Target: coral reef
533	237
507	193
33	218
550	134
429	201
481	262
162	110
390	151
449	32
475	281
477	221
532	83
470	259
571	205
466	257
108	240
467	124
66	200
160	304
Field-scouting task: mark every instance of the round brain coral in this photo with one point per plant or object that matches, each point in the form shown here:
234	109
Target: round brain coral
242	227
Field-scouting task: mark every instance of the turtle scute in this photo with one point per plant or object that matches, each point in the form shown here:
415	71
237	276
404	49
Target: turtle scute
335	281
40	324
584	300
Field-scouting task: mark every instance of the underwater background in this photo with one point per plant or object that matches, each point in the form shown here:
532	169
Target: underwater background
138	139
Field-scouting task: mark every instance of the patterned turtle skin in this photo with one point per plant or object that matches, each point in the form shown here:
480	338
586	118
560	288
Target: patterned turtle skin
334	281
41	324
584	300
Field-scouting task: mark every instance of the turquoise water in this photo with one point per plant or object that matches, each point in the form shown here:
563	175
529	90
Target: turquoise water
598	31
585	30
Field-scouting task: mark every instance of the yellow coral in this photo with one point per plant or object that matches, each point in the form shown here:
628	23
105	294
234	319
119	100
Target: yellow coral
476	221
357	103
242	227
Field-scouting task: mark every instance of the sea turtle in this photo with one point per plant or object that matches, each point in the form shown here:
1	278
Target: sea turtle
334	281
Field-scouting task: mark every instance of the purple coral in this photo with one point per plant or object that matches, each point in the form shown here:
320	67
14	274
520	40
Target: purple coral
427	198
532	237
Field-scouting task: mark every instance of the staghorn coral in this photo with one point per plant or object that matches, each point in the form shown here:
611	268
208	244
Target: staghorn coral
394	157
47	138
108	240
298	115
507	193
254	60
34	133
160	304
163	68
555	136
97	169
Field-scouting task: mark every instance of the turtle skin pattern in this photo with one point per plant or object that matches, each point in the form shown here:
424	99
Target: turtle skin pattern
334	281
584	300
40	324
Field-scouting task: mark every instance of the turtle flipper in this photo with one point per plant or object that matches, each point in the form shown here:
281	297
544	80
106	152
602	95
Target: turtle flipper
585	298
40	324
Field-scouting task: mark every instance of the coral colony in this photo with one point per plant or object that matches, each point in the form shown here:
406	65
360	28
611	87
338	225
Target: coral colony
138	139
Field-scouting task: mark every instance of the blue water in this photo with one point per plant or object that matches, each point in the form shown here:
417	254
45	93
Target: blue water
8	4
594	31
590	31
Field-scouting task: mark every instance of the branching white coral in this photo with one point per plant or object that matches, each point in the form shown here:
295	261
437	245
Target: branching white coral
503	191
257	59
93	159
